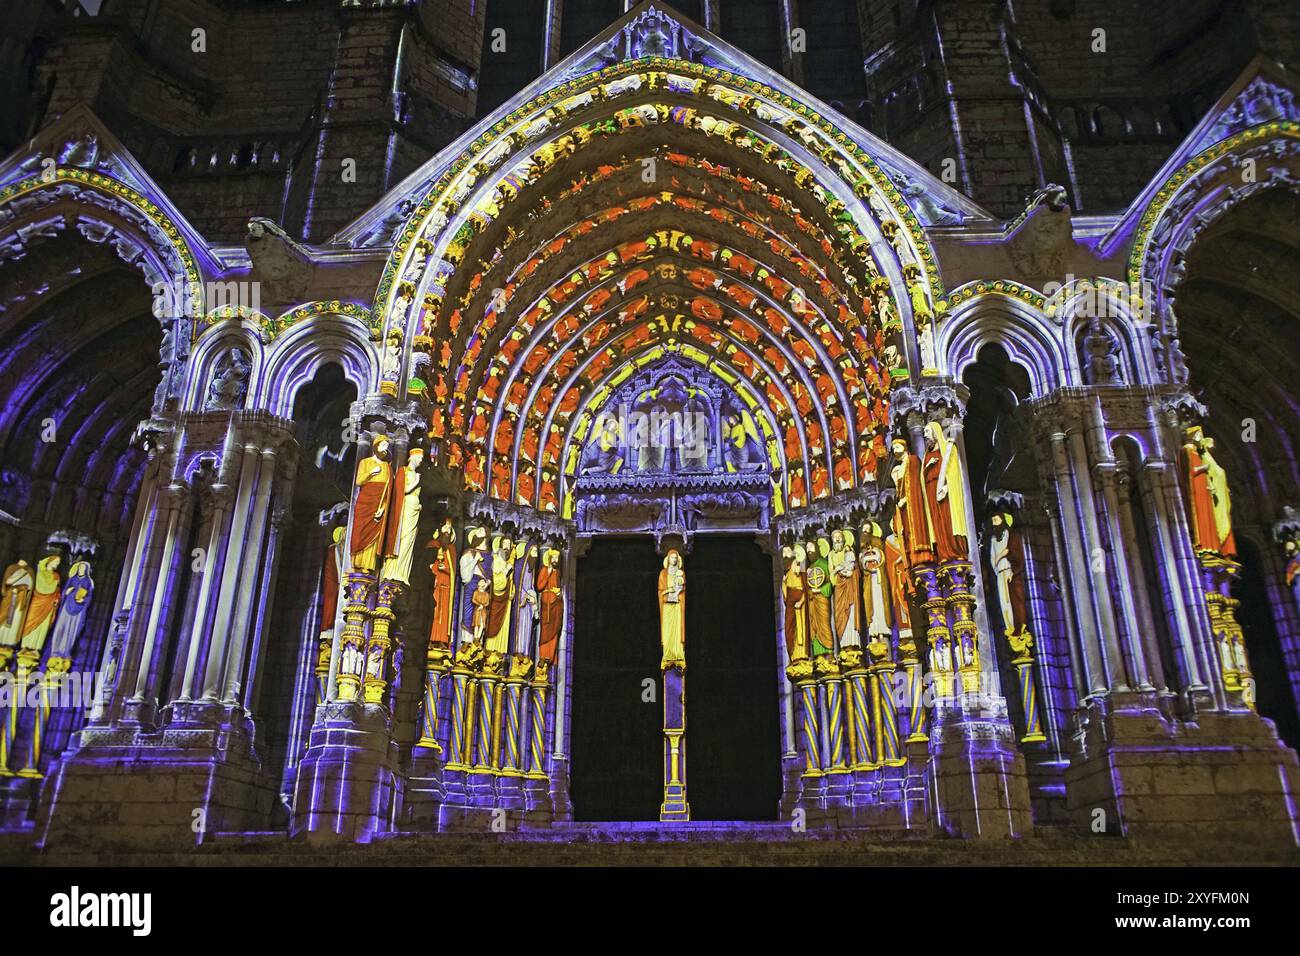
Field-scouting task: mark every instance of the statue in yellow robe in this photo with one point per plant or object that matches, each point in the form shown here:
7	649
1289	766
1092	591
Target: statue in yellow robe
672	611
501	596
45	601
792	594
15	595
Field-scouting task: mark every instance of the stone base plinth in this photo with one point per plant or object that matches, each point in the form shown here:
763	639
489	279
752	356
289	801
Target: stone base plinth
347	786
176	787
1224	776
981	788
424	794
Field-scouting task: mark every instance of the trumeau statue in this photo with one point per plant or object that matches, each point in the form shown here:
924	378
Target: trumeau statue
672	611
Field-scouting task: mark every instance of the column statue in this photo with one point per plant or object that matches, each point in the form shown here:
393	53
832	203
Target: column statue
817	593
373	508
1008	563
72	610
913	511
846	583
443	567
550	600
526	612
877	615
502	595
1007	559
1209	507
406	519
473	586
793	600
15	595
44	604
945	490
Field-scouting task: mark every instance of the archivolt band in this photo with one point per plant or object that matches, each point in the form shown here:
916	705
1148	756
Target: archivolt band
325	574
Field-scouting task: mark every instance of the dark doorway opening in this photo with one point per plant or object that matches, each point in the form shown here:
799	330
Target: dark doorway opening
617	736
733	746
732	717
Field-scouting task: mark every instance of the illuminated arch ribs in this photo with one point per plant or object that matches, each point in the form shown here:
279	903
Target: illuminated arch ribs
704	216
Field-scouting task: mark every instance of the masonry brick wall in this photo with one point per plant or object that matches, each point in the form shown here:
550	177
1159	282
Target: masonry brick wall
261	122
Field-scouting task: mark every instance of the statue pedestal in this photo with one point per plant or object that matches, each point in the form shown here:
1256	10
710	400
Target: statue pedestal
1226	775
170	788
18	795
674	806
980	782
425	791
346	784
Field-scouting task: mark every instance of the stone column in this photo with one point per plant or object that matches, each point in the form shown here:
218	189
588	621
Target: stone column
809	716
148	634
486	729
346	787
675	805
1141	761
712	15
791	58
204	746
979	776
537	793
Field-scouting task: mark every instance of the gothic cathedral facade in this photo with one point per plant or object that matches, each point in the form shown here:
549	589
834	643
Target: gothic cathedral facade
311	513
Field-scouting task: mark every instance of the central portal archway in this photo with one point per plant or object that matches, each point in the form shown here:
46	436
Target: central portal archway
660	300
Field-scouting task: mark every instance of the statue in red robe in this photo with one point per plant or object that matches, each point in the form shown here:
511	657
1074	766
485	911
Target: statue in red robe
550	605
376	508
444	576
1209	509
912	512
945	492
